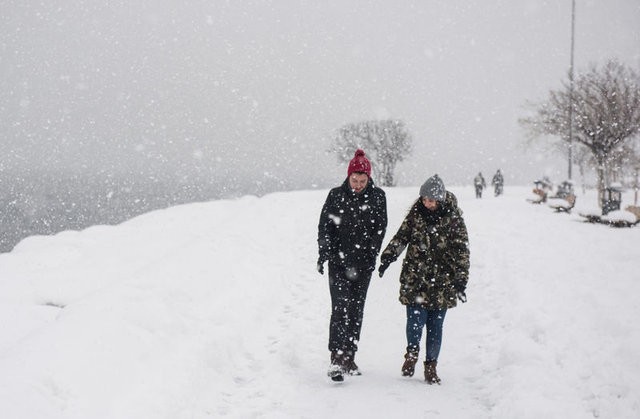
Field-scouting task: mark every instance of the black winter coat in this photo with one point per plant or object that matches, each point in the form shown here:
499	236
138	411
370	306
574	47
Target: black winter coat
352	226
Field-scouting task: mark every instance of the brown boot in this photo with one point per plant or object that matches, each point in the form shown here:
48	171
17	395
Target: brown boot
430	374
409	366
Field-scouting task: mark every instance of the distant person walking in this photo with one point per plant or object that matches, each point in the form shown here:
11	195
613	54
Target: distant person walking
352	226
434	273
498	182
480	184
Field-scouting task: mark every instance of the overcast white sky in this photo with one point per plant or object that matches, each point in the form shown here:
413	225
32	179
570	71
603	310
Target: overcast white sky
248	89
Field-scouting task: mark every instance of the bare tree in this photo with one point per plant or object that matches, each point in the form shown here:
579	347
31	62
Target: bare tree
606	114
386	142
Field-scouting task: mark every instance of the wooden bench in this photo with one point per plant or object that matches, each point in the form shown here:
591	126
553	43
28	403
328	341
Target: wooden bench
540	198
563	204
593	218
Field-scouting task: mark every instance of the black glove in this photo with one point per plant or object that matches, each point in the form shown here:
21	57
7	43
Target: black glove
461	296
460	286
383	267
320	266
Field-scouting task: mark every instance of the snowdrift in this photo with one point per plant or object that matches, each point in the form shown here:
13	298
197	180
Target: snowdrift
216	310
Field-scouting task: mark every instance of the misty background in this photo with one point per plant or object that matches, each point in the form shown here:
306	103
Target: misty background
113	108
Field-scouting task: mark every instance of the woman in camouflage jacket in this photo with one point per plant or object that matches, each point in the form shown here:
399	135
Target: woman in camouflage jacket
434	272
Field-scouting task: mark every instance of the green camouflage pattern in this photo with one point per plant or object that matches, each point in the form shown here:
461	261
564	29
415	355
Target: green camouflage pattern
437	255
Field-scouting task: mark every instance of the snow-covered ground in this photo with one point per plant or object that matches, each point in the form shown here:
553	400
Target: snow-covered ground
216	310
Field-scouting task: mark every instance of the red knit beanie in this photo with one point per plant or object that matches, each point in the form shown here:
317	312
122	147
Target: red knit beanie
359	163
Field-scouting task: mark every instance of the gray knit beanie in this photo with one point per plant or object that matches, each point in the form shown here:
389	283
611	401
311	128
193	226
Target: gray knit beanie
433	188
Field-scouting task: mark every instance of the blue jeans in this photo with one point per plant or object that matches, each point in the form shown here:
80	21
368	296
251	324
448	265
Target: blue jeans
419	317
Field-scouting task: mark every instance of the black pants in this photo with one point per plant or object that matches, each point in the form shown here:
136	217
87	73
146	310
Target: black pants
478	191
348	288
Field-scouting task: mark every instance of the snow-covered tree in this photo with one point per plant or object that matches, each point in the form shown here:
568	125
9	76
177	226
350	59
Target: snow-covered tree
386	142
605	113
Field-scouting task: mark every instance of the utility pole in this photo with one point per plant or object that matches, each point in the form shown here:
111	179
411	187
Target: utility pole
636	187
573	20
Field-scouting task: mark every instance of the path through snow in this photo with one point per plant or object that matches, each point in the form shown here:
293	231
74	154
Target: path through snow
215	309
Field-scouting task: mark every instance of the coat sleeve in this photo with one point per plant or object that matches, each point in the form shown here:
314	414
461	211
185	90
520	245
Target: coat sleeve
399	242
326	228
460	250
381	224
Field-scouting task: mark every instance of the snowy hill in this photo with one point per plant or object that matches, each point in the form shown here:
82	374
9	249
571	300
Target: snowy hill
216	310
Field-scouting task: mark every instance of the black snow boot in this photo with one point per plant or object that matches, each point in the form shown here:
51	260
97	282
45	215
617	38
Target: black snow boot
337	367
350	364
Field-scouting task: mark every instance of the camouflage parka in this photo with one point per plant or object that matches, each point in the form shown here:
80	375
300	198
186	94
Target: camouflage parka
352	226
437	259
